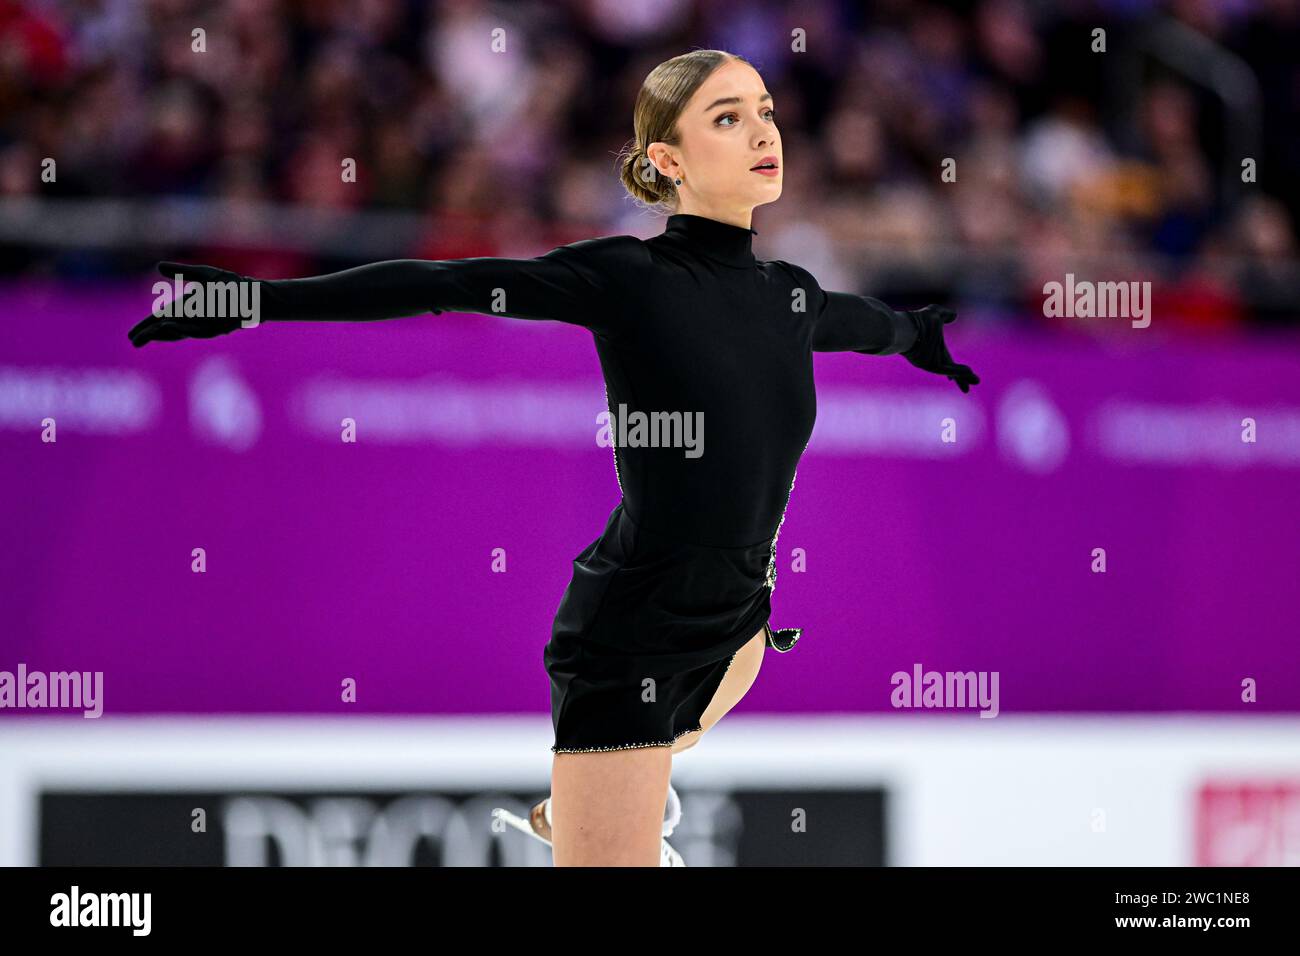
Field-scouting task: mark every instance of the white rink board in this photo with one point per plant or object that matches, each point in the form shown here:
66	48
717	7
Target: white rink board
1015	790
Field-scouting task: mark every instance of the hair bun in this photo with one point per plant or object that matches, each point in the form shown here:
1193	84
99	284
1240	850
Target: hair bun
640	177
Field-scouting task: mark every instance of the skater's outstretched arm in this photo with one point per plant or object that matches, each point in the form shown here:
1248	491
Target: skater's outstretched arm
571	283
847	322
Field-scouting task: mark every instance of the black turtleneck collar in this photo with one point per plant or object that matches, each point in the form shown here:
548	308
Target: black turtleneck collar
712	238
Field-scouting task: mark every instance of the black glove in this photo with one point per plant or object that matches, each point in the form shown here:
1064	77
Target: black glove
173	328
929	352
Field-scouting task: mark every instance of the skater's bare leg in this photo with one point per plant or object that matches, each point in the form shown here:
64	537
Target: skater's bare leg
607	806
740	677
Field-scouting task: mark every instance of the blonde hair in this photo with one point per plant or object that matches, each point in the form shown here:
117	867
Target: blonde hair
659	104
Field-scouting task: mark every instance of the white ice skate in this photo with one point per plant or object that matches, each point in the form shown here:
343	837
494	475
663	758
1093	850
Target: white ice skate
538	825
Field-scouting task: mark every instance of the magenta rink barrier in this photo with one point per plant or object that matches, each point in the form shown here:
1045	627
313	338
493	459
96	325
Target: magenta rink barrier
374	560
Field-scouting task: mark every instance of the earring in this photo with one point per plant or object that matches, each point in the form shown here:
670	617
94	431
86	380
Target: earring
678	180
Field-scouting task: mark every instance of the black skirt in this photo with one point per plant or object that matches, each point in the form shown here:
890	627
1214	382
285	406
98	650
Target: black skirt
646	631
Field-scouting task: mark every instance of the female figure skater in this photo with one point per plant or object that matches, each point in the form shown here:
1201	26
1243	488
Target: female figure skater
663	626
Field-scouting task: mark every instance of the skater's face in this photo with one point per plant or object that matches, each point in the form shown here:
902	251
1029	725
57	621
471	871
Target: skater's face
727	128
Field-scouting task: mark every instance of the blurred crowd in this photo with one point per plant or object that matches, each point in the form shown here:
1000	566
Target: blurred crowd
1170	154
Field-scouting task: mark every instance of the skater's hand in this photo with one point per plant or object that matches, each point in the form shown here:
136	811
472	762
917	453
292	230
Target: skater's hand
930	353
172	328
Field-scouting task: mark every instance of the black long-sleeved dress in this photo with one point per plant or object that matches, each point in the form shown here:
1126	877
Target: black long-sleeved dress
686	322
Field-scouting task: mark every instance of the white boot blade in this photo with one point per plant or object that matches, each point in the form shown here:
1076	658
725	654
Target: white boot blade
670	857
